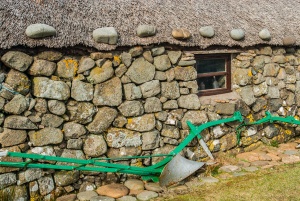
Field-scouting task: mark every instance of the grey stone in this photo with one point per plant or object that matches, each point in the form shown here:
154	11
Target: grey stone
136	51
131	108
51	120
174	56
161	116
69	197
141	71
4	169
18	122
271	131
132	91
209	179
170	74
108	93
152	104
73	130
11	137
46	136
82	91
29	175
184	91
191	85
18	82
125	79
279	59
56	107
273	92
103	198
67	68
120	137
147	55
80	112
40	105
170	131
20	192
190	101
45	88
271	70
146	30
207	31
42	67
229	168
150	186
260	89
196	117
247	95
225	108
265	34
126	58
106	35
159	75
150	89
65	178
119	121
242	77
150	140
162	62
218	131
94	146
86	195
258	62
126	198
146	195
85	64
259	104
121	70
171	104
250	169
103	119
45	150
292	60
157	51
40	31
69	153
185	73
187	63
46	185
17	105
142	123
7	179
275	104
170	90
74	144
101	74
17	60
291	79
237	34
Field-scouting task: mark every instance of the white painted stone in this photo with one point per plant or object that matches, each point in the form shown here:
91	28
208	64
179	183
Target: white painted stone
265	34
237	34
40	31
207	31
106	35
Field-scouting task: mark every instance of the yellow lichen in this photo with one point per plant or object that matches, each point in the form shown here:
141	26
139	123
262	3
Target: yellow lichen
96	71
250	73
117	59
129	120
250	118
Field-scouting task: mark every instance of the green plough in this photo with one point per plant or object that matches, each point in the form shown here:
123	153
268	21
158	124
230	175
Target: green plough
171	169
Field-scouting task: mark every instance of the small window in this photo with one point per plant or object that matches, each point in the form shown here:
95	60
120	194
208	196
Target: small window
213	74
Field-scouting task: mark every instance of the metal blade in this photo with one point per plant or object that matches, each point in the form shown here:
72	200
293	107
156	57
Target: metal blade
178	169
206	149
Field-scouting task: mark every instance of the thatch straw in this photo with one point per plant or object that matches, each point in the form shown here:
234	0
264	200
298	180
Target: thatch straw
75	21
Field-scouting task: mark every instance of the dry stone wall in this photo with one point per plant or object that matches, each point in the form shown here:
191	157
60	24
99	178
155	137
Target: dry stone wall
134	102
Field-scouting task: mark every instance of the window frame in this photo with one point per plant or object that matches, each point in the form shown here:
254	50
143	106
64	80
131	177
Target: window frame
227	72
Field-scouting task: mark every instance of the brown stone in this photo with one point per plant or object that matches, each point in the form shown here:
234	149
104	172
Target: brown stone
248	156
181	33
289	40
113	190
70	197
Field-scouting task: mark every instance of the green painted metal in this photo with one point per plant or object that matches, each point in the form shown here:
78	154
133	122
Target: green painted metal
269	118
105	165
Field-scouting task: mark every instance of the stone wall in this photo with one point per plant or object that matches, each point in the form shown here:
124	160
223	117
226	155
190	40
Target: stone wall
133	102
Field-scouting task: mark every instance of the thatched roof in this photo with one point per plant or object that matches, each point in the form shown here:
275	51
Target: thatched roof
75	21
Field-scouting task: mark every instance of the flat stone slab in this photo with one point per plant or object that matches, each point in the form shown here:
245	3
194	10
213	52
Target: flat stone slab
86	195
230	168
209	180
250	169
146	195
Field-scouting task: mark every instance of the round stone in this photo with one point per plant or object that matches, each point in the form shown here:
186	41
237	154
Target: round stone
265	34
86	195
134	184
289	40
237	34
146	195
207	31
153	187
113	190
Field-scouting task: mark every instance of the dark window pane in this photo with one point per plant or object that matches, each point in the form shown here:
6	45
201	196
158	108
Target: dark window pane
213	82
210	65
